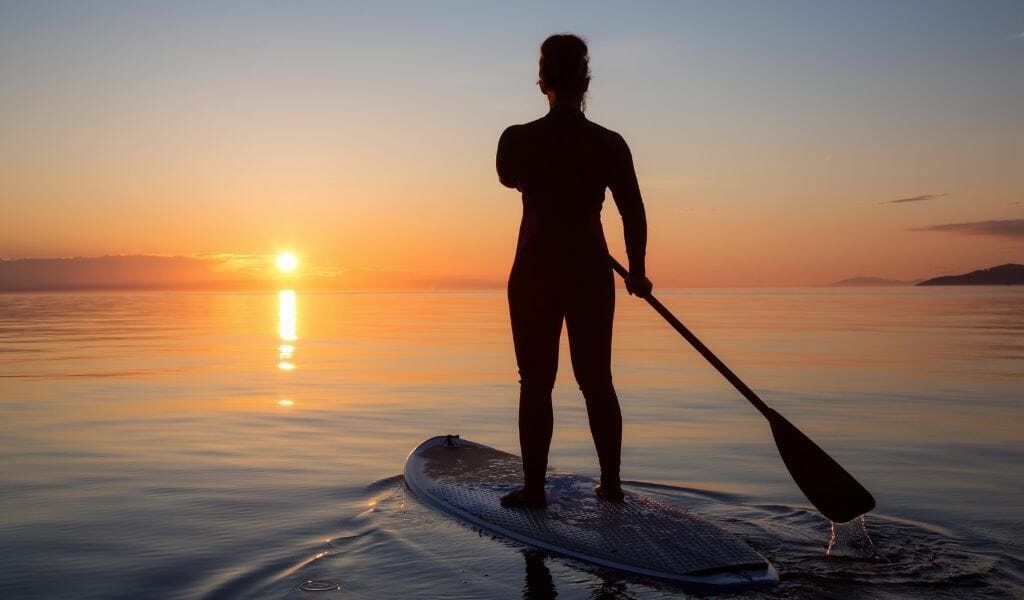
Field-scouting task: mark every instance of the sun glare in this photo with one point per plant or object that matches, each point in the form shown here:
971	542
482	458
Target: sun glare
287	262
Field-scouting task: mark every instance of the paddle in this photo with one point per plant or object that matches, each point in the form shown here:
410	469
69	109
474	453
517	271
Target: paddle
827	485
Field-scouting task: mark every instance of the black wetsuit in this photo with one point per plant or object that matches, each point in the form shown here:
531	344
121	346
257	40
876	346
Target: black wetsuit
562	163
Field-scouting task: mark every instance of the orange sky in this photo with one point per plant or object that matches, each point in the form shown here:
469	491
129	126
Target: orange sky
773	146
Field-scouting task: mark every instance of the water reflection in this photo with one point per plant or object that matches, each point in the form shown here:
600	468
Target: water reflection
919	389
539	584
286	328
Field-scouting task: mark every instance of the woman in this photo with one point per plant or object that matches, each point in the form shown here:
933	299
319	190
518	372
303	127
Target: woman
562	163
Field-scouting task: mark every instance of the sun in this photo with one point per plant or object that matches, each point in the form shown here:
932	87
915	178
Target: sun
287	262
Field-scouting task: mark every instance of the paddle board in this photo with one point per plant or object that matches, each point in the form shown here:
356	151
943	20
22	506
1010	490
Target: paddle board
641	535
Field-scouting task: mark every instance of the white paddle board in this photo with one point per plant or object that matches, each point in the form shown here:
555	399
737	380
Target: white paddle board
641	535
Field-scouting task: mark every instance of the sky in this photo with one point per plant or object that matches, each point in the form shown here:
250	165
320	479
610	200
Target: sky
777	143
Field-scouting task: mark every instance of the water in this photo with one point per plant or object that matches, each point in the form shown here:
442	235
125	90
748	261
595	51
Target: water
192	445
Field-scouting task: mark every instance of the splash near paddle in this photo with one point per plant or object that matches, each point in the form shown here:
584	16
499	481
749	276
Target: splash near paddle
641	535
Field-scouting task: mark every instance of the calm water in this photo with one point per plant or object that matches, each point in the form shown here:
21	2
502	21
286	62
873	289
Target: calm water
187	445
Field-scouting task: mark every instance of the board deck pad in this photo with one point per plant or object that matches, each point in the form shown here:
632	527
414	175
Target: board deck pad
641	535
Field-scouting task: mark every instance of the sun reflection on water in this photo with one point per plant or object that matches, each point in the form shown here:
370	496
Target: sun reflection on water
286	315
286	328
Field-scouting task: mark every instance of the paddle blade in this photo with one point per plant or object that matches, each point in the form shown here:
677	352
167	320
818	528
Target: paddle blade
827	485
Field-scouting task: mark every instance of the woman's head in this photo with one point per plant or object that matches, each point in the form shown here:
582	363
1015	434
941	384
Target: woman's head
564	67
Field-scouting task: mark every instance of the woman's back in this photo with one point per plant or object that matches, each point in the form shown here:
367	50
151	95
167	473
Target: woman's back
562	163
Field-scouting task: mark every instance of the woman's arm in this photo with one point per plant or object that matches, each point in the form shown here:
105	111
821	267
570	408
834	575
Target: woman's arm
626	193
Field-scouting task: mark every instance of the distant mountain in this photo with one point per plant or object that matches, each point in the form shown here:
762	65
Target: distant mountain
1010	274
869	282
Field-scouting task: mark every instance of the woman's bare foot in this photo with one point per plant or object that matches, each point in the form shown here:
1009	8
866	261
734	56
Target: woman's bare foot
611	493
525	497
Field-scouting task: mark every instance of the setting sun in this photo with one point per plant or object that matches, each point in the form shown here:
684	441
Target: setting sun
287	262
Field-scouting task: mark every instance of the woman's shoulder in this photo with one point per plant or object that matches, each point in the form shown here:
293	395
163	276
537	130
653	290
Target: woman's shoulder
510	137
601	130
520	132
523	132
525	127
609	137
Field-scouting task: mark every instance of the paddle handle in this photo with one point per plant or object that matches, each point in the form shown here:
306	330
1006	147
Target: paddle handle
700	347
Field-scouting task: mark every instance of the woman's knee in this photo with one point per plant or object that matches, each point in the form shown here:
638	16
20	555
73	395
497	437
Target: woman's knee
597	388
536	384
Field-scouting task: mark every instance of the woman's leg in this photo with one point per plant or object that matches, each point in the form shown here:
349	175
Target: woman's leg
588	319
536	317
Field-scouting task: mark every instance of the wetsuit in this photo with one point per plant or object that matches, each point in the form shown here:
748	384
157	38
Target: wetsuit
562	163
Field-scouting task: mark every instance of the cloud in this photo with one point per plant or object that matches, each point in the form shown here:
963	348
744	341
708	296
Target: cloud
1019	36
1009	228
123	272
384	279
209	272
921	198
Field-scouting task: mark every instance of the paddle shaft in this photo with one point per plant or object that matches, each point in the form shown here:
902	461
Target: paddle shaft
829	487
699	346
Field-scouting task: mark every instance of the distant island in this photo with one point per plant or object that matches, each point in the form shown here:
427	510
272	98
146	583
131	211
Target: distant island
1010	274
870	282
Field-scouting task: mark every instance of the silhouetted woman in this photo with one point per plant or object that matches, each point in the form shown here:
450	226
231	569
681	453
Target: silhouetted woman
562	164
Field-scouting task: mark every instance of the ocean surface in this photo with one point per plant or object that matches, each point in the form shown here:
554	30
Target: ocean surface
219	445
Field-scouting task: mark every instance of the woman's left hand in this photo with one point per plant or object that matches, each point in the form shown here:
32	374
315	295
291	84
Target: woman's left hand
639	286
